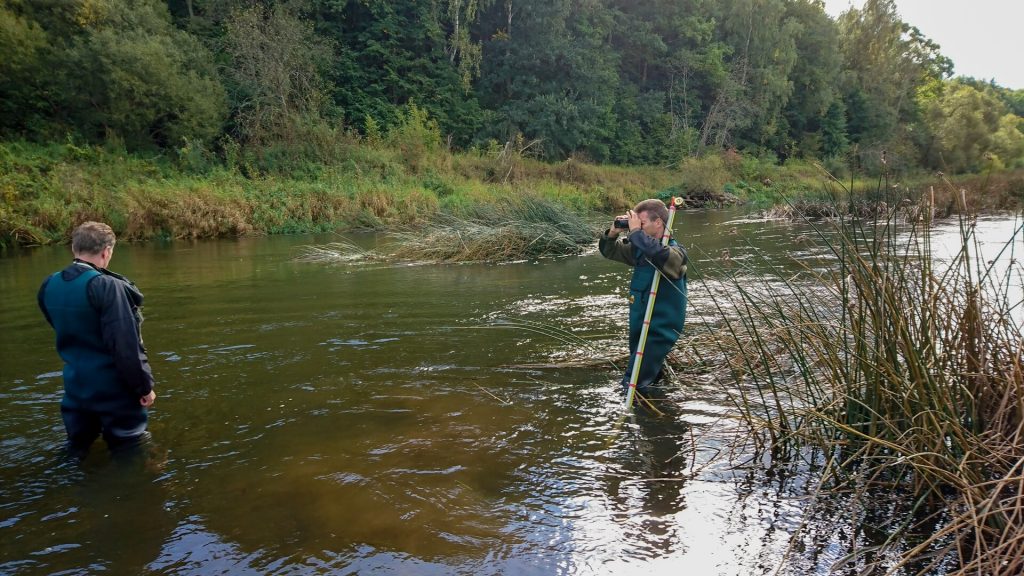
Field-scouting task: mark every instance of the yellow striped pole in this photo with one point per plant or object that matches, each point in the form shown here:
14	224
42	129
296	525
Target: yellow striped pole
634	376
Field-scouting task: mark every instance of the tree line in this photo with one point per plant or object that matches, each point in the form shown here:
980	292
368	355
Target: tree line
609	81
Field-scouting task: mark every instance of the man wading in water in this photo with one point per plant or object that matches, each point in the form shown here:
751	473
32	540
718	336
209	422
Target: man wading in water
107	381
642	249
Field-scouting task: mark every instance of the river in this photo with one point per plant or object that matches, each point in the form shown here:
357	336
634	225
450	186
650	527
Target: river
375	418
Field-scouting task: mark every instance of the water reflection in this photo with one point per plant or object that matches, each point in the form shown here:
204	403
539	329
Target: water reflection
647	490
103	514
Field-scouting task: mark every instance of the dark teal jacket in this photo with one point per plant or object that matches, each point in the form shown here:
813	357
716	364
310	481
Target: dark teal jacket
105	365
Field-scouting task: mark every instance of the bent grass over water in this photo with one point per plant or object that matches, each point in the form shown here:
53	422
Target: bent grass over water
508	230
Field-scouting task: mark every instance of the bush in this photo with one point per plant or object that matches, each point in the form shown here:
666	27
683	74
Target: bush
416	136
704	177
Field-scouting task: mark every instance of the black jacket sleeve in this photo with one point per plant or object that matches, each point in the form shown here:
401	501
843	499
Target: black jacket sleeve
121	333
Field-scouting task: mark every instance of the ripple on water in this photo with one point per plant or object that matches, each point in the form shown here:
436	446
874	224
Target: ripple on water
345	478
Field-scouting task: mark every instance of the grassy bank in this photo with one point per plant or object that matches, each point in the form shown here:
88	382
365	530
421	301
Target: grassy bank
396	180
46	191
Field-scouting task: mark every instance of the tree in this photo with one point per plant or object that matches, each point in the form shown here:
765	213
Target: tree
971	130
816	118
548	73
763	37
886	62
393	53
671	68
116	68
274	75
833	131
24	45
1013	99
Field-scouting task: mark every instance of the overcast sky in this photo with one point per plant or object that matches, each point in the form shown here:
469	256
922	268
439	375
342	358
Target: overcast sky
983	38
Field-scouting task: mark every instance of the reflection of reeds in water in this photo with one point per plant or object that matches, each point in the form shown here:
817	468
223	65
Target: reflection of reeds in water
905	374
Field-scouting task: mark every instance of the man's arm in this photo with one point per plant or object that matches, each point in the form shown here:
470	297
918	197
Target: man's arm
671	260
39	299
121	334
617	249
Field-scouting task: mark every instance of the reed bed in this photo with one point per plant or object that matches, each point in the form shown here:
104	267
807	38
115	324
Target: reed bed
903	375
524	228
520	229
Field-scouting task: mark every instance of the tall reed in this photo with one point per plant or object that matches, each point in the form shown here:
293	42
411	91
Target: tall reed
904	372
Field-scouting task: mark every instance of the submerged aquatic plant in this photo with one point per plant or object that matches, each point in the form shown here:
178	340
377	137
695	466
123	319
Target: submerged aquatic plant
904	374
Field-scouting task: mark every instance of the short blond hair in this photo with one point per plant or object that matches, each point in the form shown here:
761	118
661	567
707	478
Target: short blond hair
92	238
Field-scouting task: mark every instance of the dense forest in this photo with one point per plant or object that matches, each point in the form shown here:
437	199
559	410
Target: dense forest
639	82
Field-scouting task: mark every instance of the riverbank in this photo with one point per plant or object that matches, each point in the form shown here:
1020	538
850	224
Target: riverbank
47	190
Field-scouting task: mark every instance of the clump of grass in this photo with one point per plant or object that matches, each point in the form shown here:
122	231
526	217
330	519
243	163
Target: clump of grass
907	376
801	209
524	228
14	231
342	251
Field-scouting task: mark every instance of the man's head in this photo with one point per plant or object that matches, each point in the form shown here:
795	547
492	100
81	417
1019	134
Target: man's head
653	216
93	242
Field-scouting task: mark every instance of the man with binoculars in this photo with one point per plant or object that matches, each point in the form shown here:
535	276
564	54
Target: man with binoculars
641	248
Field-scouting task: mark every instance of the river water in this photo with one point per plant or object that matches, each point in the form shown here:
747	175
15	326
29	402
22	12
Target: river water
388	418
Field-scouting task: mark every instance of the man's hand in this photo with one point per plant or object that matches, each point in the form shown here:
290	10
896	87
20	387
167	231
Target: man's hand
613	231
634	221
148	399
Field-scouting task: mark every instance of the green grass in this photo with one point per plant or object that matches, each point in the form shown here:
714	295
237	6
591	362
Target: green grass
47	190
344	182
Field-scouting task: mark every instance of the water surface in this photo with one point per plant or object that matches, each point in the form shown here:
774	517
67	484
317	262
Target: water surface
388	419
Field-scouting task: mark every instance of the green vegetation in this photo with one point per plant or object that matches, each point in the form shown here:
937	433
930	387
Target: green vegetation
47	190
195	118
400	182
899	377
610	82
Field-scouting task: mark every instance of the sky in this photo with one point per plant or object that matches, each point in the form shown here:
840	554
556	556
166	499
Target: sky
983	38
